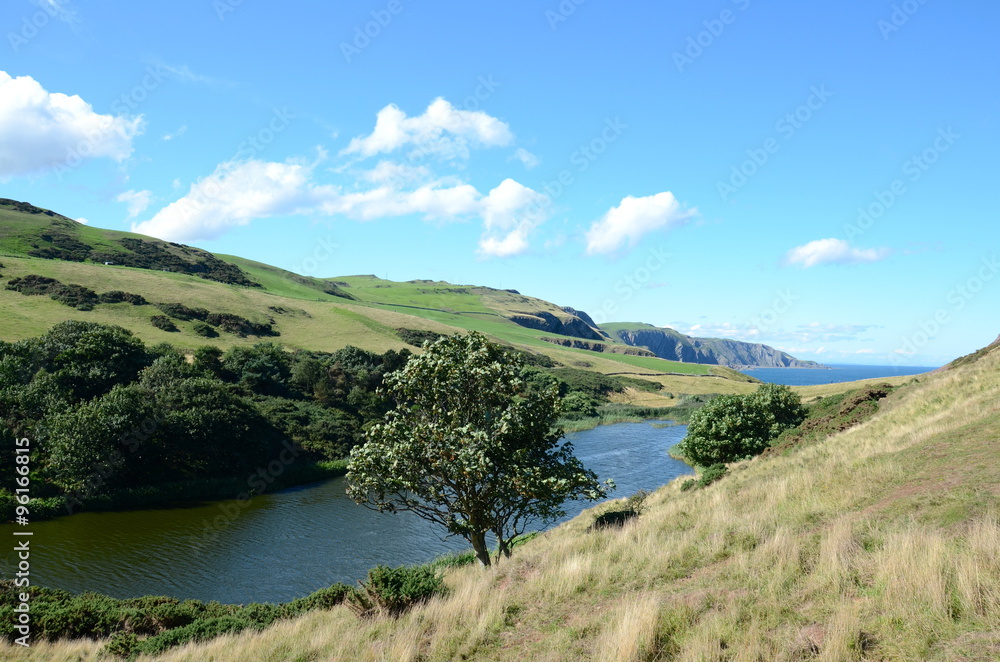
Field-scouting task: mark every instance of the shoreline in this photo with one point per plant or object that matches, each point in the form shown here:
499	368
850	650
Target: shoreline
175	494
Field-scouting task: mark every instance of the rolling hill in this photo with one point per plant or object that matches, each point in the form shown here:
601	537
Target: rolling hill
92	274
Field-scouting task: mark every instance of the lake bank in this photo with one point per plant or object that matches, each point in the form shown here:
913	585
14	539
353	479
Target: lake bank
280	546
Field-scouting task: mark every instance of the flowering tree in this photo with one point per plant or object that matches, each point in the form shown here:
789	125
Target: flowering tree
467	448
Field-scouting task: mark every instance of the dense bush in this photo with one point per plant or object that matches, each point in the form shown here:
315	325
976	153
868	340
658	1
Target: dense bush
181	312
75	296
117	296
734	427
416	337
710	475
205	330
391	591
163	323
118	424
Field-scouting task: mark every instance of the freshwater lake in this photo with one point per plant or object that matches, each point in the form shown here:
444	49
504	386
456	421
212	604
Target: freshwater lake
286	545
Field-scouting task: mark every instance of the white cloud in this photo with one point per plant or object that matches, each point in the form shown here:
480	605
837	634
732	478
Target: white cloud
137	201
527	158
432	201
832	251
83	221
442	130
232	196
390	172
237	193
176	134
40	130
625	224
510	212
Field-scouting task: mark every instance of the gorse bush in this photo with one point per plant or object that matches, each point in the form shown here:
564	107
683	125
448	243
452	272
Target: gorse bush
391	591
710	475
153	624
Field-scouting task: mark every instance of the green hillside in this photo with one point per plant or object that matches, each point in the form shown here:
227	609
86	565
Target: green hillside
309	313
874	542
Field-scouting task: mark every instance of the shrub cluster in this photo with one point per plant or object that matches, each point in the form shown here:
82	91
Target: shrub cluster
75	296
391	591
708	476
151	624
163	323
228	322
118	422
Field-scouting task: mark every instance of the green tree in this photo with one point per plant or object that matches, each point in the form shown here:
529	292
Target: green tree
735	427
463	449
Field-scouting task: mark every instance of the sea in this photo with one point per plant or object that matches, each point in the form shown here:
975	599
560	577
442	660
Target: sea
835	374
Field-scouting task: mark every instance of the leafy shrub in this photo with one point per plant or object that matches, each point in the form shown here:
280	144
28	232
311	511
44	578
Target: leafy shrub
122	644
418	338
117	296
391	591
635	505
205	329
163	323
735	427
181	312
198	631
74	296
710	475
324	598
240	326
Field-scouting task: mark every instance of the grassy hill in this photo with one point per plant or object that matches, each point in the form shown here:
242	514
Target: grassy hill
876	543
311	313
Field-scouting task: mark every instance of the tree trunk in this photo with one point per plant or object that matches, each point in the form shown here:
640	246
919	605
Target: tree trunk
478	540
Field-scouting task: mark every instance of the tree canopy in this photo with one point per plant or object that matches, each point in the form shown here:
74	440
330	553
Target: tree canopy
465	449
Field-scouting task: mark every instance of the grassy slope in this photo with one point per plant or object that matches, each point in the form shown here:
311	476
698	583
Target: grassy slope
311	318
879	543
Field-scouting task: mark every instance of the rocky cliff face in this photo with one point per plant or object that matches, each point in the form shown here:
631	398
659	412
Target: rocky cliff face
571	325
675	346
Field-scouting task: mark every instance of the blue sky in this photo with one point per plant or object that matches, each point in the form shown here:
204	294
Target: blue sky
816	176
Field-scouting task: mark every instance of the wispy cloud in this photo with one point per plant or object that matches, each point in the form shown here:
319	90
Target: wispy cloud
136	201
832	251
181	130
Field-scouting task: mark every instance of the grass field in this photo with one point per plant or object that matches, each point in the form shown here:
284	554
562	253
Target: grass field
877	543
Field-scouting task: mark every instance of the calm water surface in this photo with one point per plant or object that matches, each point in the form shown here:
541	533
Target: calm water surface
836	374
285	545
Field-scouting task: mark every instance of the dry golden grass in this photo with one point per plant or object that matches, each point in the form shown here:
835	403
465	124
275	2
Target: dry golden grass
878	544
